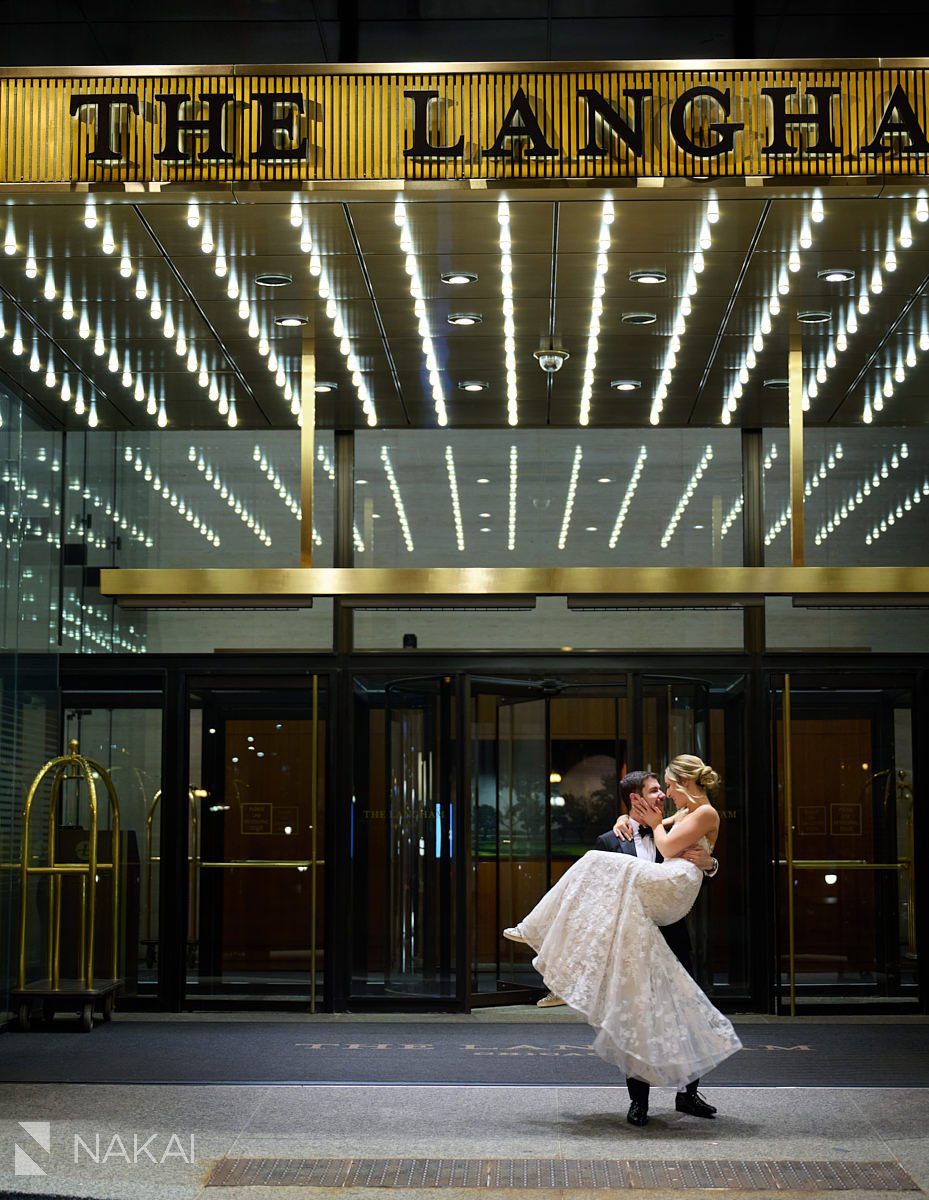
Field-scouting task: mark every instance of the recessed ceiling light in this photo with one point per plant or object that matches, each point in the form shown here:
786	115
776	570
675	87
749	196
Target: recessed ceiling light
699	527
590	528
458	277
291	322
836	275
273	279
473	385
647	277
482	480
777	384
322	387
360	482
639	318
484	516
625	385
604	480
375	516
813	316
464	318
485	529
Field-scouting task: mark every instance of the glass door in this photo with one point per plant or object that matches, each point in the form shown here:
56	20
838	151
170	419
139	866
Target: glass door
706	717
257	786
843	765
126	740
545	762
403	839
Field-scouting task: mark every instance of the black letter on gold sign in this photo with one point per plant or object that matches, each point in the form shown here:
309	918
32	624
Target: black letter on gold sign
103	151
422	147
529	128
212	125
270	124
632	136
906	123
821	117
725	130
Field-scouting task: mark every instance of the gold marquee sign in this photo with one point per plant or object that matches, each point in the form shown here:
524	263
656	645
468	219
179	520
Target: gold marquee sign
505	122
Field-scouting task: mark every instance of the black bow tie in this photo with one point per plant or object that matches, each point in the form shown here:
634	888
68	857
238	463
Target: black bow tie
646	831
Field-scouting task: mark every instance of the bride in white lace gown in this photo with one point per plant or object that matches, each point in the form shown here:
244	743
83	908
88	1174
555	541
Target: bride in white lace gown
599	948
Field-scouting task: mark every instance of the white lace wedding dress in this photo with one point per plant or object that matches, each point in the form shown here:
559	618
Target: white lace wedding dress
599	948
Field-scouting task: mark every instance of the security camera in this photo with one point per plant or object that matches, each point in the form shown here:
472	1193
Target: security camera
551	360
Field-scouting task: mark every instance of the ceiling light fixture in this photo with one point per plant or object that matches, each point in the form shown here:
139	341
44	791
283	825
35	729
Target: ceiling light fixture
273	279
473	385
457	278
639	318
836	275
625	385
323	387
647	277
464	318
776	384
813	316
291	322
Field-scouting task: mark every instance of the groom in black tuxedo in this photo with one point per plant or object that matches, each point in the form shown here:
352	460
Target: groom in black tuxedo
643	788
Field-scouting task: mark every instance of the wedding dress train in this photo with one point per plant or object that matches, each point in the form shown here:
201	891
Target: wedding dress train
598	946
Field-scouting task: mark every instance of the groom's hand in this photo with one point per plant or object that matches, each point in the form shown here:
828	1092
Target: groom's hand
623	828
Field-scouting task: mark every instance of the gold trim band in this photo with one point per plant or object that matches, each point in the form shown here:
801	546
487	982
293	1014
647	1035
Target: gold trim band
431	585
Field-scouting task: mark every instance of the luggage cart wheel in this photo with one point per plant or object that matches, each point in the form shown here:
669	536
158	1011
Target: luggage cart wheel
87	1017
108	1007
25	1016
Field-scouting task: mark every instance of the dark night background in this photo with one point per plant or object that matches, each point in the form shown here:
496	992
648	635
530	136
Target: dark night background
117	32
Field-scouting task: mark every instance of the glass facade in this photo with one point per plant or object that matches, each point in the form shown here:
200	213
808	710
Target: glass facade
340	805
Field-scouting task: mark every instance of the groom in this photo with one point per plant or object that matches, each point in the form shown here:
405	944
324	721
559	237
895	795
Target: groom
642	790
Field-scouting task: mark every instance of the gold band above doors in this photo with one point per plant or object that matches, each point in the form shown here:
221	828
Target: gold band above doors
505	122
496	586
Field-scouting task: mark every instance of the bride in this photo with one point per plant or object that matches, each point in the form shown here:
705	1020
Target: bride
598	945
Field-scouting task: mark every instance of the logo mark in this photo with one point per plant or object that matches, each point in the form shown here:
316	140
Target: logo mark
41	1134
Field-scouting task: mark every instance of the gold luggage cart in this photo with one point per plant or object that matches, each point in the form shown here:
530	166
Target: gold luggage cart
83	993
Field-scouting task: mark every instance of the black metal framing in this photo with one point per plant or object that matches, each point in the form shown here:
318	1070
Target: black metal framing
105	678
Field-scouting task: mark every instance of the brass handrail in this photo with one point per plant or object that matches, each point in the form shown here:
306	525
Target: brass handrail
266	862
845	864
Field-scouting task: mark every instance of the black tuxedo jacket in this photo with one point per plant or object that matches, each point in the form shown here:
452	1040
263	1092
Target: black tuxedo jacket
675	935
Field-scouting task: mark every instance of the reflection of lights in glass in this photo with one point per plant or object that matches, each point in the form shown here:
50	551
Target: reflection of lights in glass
554	777
557	802
831	879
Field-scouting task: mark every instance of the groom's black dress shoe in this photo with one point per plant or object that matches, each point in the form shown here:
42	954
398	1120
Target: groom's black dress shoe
637	1114
693	1103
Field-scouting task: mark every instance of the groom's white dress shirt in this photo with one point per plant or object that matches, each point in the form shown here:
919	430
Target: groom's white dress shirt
644	846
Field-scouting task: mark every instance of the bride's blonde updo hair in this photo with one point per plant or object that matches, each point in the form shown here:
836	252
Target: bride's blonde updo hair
687	768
